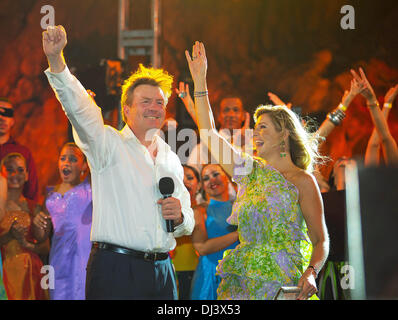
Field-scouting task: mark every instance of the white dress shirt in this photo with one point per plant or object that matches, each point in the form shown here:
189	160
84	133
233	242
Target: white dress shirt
124	175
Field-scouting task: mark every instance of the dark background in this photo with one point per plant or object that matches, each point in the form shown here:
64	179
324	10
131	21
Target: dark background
295	49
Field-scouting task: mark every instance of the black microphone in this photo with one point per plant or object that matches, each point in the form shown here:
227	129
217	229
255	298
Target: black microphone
166	188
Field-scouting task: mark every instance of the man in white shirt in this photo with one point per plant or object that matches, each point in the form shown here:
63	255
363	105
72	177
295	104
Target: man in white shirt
129	259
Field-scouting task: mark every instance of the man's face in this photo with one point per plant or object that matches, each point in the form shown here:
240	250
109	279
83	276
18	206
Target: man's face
6	123
231	114
147	110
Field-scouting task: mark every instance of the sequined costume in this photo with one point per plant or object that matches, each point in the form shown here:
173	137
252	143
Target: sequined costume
70	243
21	267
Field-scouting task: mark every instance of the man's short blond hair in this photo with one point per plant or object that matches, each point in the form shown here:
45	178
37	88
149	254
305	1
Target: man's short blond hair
150	76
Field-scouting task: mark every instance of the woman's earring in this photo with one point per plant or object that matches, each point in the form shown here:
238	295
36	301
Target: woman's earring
283	149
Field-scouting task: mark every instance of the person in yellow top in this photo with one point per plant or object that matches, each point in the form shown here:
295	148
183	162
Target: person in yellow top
185	258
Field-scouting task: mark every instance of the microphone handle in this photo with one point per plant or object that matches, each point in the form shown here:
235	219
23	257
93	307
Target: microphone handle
169	223
170	226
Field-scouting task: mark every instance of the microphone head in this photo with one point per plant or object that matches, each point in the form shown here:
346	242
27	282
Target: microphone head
166	186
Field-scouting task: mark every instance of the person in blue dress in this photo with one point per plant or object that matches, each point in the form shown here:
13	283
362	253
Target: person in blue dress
212	234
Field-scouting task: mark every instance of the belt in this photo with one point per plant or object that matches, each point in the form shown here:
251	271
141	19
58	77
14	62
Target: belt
149	256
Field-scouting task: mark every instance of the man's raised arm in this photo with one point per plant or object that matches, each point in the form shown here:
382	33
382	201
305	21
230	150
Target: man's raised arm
54	42
81	110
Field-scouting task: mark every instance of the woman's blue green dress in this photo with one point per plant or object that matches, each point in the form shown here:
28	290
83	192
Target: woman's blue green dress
205	281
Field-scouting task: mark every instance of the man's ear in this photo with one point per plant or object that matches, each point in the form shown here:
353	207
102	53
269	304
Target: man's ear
125	110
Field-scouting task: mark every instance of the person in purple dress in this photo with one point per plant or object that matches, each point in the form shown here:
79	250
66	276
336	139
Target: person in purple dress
68	209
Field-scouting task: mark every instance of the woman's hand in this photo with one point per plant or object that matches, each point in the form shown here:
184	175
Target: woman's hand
18	231
198	63
307	284
355	88
277	101
348	96
362	84
41	220
391	94
183	94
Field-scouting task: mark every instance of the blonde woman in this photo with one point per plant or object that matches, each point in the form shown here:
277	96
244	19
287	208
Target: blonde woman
278	210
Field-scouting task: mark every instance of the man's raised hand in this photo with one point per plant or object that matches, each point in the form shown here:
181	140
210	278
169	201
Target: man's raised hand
54	41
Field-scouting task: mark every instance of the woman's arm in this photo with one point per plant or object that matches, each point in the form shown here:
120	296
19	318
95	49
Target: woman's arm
3	196
312	208
185	96
277	101
202	244
219	147
41	226
6	237
372	155
335	117
388	143
19	232
16	231
41	248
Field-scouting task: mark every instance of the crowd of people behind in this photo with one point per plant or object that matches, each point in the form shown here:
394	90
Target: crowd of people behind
251	232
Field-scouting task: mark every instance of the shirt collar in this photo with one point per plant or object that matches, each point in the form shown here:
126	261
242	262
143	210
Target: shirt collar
128	134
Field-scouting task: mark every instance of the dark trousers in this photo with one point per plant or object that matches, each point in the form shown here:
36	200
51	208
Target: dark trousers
116	276
184	279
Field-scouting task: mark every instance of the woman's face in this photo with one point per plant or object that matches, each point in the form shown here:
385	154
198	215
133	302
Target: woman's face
71	164
215	181
265	136
191	182
15	172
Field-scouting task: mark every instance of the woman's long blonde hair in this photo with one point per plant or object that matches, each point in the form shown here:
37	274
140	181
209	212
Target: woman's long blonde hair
303	144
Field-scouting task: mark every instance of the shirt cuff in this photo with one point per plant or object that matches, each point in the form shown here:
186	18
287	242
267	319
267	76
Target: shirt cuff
183	228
